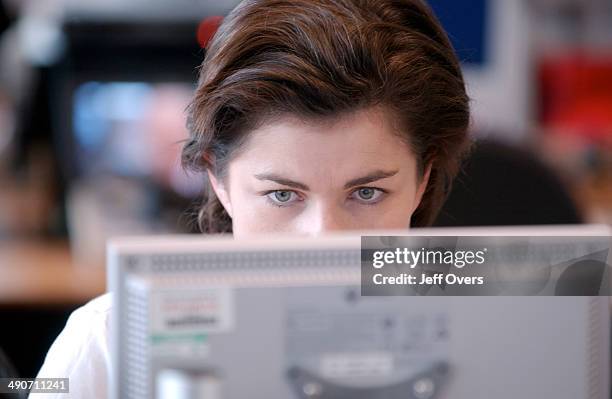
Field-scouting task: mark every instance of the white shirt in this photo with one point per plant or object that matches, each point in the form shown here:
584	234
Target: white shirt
81	352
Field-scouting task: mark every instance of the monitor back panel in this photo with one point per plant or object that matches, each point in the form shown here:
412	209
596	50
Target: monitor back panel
293	324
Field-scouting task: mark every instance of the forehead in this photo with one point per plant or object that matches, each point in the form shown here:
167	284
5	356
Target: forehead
336	146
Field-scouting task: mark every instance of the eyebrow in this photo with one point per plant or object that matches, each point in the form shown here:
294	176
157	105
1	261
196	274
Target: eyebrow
369	178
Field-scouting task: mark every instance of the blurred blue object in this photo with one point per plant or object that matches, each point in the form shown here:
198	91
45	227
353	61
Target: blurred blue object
466	24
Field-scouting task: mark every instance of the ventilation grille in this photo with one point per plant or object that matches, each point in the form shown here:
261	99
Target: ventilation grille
253	260
598	352
135	376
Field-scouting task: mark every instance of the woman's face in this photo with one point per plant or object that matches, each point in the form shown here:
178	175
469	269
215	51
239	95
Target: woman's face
294	176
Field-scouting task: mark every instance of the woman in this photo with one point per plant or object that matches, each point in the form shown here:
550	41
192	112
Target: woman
309	116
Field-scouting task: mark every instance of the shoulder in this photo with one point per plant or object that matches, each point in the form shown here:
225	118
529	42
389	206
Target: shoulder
89	325
96	308
81	351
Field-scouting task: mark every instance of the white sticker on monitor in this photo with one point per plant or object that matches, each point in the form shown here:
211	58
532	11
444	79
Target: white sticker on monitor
192	311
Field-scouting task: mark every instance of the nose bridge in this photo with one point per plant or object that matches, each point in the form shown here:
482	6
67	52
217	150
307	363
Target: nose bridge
327	217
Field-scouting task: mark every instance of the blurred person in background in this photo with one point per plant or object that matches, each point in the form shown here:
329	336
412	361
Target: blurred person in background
7	93
30	42
29	37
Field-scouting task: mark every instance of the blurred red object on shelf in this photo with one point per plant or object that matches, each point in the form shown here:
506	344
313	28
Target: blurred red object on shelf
207	29
575	94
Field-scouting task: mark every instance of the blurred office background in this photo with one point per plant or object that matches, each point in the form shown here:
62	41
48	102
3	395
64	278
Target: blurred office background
92	101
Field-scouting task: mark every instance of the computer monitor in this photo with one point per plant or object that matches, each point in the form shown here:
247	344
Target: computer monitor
215	317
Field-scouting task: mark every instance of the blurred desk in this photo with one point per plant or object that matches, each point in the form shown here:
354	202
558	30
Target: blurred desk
43	273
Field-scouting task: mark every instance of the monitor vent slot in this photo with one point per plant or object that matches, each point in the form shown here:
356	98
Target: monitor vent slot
254	260
135	374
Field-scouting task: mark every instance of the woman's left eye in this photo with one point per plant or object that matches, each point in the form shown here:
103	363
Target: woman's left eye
367	194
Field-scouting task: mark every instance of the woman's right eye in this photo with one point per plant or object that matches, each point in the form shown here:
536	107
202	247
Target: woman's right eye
282	197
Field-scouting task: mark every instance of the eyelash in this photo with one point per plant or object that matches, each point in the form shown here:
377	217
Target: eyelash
279	205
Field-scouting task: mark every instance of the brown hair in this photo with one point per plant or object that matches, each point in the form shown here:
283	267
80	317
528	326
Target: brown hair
321	58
